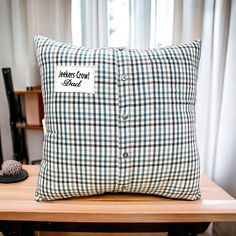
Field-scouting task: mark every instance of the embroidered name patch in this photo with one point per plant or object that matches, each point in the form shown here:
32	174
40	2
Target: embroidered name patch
74	79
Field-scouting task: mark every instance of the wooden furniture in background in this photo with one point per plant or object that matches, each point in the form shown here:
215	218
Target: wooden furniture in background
32	103
112	212
33	107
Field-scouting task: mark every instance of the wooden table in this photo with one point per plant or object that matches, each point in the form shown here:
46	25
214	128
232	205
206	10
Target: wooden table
19	212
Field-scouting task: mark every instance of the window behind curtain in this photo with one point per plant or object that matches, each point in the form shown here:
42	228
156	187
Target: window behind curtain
118	23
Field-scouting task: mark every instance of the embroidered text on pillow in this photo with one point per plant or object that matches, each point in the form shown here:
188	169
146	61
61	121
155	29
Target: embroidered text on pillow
74	79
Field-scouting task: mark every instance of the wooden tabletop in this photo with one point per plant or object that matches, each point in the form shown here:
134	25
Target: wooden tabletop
17	203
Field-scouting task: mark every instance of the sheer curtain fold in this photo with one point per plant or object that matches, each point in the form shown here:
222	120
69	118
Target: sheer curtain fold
211	79
227	122
90	23
139	23
162	19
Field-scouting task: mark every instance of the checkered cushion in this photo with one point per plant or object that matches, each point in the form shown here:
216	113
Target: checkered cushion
136	133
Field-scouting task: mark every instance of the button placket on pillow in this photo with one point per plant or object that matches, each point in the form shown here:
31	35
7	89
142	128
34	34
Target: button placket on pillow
125	153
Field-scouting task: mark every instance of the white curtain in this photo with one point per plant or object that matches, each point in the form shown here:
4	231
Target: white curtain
20	21
139	23
162	20
89	23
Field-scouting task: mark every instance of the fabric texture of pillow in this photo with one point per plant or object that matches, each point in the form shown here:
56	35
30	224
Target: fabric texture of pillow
118	120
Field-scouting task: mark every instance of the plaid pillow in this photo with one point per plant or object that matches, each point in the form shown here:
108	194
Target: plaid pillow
118	120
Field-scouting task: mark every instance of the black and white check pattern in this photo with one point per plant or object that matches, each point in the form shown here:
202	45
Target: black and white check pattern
135	134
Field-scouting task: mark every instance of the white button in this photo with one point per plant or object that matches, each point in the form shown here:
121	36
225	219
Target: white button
125	116
125	155
124	187
124	77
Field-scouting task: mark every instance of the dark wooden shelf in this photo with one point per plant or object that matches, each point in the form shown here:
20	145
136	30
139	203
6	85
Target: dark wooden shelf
32	102
28	92
26	126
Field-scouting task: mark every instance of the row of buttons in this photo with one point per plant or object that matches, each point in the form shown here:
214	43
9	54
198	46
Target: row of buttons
124	117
